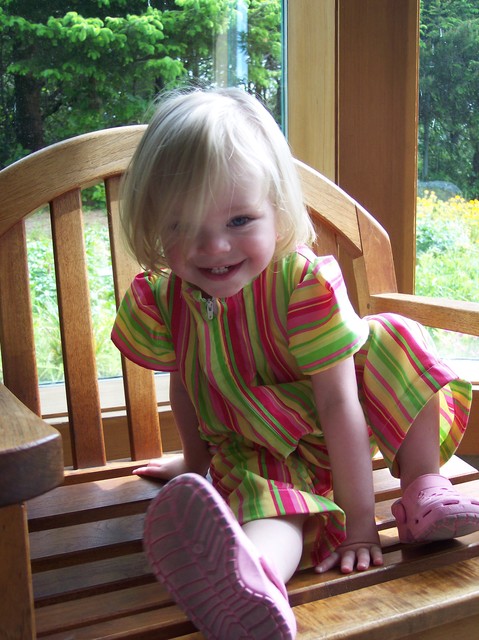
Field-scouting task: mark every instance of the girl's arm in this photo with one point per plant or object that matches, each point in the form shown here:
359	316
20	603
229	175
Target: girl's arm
345	430
195	457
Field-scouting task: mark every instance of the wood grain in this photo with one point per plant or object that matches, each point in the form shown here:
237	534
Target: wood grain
31	460
16	601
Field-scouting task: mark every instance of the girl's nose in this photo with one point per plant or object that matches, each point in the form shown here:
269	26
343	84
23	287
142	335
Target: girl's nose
213	243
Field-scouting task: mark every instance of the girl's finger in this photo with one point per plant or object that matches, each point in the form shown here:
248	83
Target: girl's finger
327	564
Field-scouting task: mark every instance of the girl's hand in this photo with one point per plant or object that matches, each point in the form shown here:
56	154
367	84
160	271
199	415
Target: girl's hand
359	555
164	468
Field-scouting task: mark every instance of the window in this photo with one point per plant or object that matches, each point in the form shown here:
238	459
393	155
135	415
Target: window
68	72
447	240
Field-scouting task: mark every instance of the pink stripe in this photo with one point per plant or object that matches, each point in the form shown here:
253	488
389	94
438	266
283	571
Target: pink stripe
333	356
280	369
412	345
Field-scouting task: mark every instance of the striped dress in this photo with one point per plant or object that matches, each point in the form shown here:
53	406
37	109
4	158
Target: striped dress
246	362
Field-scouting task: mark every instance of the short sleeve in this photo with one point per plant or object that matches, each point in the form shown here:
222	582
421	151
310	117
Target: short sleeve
323	327
140	331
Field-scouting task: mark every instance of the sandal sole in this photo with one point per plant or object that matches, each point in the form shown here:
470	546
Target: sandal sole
449	527
193	543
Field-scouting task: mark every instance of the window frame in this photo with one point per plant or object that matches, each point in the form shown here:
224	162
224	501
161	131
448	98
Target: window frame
355	85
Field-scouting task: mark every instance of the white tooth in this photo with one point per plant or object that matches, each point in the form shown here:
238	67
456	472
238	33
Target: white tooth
219	270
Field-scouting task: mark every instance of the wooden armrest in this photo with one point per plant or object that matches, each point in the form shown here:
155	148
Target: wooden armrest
31	454
442	313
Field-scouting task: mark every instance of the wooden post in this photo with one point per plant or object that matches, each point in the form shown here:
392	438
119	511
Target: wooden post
16	598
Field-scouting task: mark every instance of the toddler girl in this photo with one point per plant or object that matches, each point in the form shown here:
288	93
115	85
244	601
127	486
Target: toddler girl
265	355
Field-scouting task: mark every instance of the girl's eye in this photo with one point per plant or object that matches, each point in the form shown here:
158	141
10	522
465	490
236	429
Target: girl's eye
176	228
239	221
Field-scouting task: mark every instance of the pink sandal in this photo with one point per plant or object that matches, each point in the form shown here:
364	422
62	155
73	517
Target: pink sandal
211	569
431	509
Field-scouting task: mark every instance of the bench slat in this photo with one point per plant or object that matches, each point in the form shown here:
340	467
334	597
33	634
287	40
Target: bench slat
395	609
86	502
101	607
90	578
83	502
303	588
83	542
140	392
387	610
88	447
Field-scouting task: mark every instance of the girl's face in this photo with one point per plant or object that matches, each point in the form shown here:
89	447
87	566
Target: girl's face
235	242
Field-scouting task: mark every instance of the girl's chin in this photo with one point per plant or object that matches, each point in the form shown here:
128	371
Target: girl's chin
222	285
220	292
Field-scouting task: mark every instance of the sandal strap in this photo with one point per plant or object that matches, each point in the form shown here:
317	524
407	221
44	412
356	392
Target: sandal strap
426	484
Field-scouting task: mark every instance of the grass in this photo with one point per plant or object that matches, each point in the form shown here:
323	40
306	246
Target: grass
44	297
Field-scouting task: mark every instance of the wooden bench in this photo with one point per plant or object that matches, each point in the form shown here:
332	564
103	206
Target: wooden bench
71	559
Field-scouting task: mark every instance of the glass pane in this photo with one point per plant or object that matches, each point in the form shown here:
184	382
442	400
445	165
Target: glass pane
448	181
44	297
64	73
67	72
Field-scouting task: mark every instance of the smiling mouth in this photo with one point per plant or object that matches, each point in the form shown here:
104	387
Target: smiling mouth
219	270
222	270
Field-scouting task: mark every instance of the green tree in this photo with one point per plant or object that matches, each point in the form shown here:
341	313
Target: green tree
449	100
263	47
101	63
71	72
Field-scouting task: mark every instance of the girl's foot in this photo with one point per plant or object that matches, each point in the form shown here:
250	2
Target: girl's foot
212	570
431	509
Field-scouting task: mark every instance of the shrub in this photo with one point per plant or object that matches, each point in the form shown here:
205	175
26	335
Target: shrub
447	244
447	264
44	297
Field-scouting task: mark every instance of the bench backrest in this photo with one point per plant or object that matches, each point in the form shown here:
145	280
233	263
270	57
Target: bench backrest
55	177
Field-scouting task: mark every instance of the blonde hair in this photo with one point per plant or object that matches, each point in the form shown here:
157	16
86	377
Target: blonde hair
196	143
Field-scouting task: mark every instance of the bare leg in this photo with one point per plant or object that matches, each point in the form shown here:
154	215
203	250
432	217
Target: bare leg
279	541
419	453
430	507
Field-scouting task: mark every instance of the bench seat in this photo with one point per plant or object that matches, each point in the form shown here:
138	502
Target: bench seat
92	576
